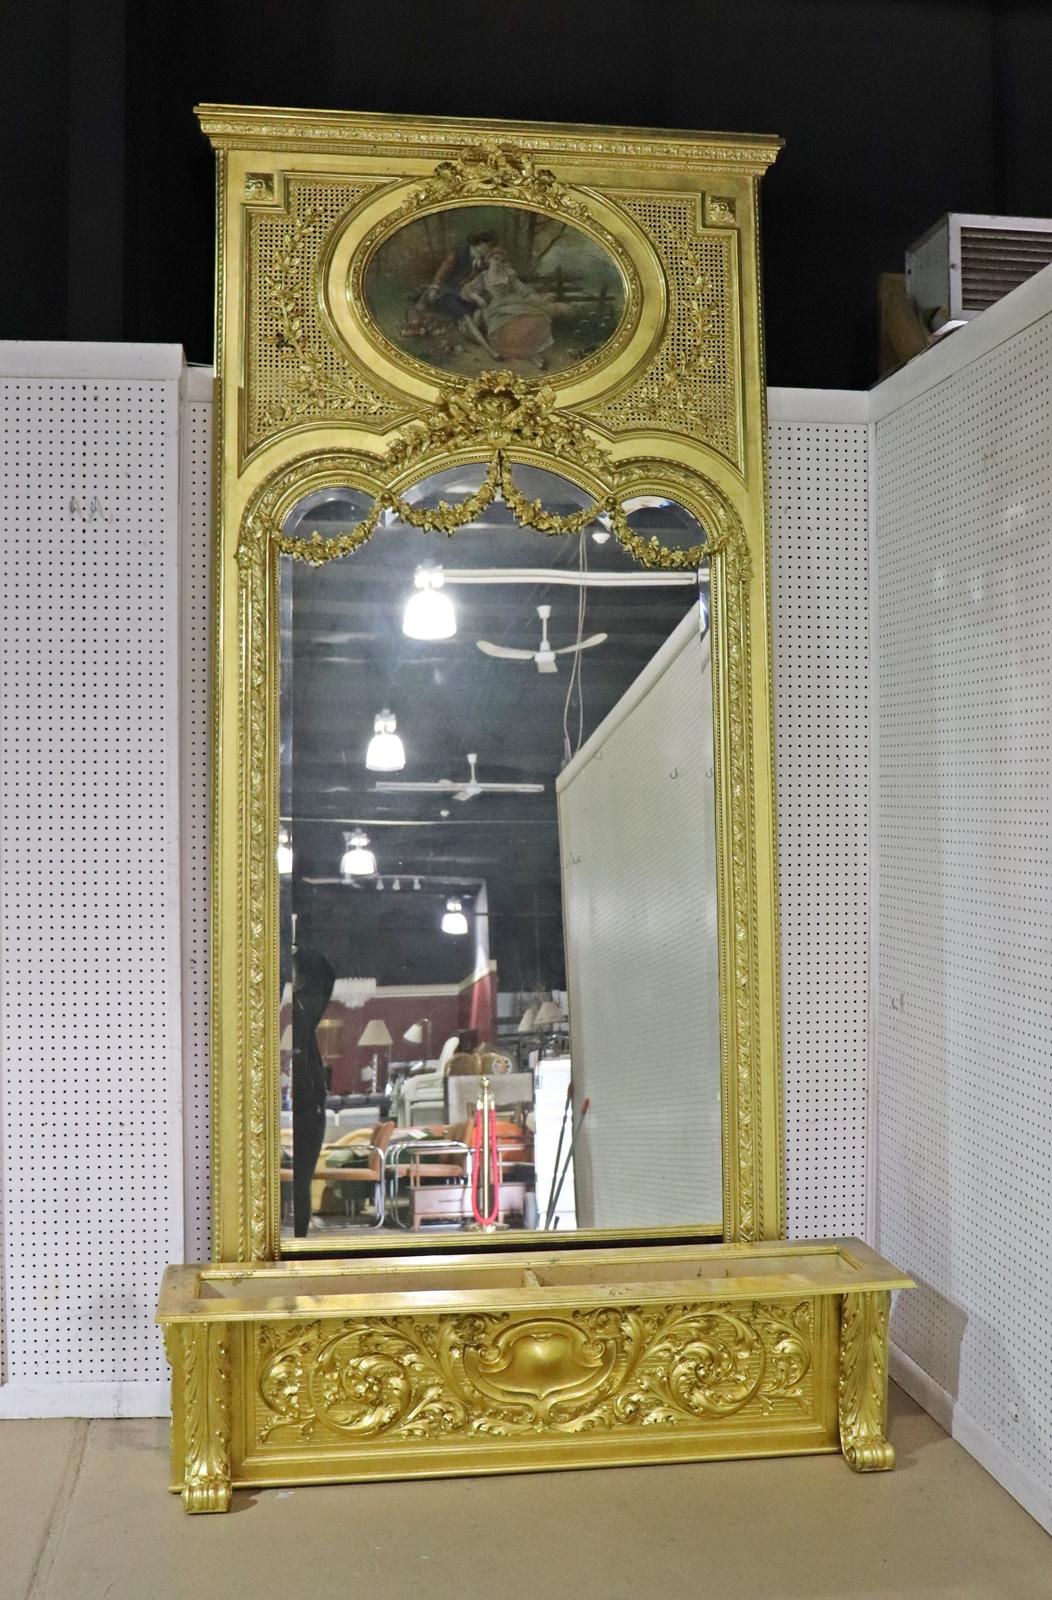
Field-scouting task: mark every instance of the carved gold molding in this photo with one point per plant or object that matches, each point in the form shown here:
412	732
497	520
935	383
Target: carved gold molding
501	419
636	426
200	1360
863	1401
344	1371
469	1376
282	128
491	171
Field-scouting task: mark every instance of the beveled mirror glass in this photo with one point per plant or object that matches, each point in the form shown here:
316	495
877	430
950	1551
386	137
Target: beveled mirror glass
496	849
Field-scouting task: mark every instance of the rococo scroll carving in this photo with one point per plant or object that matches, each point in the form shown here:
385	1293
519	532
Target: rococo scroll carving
864	1382
471	1376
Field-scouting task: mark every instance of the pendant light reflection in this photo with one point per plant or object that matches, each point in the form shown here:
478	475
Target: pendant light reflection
357	860
428	613
386	752
453	920
283	854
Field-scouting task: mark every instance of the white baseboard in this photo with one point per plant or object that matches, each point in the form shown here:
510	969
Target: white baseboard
951	1415
84	1400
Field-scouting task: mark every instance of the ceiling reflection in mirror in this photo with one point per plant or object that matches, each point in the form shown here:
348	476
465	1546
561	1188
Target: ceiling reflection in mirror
497	870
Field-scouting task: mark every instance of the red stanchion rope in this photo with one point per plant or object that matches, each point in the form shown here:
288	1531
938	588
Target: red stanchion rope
478	1200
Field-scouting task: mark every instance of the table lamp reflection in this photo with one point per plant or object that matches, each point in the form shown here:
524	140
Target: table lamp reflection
375	1036
420	1033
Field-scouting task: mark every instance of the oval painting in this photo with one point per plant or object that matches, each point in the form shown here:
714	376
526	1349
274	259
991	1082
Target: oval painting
477	287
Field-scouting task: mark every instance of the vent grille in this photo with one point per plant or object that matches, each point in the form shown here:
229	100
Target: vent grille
994	261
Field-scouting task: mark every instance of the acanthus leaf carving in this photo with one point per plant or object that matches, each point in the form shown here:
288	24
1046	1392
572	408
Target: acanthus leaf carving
205	1359
501	1376
863	1396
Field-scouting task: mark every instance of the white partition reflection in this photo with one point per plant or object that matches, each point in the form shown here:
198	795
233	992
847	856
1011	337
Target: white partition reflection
638	839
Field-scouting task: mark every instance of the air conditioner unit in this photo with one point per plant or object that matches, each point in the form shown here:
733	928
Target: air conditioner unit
966	262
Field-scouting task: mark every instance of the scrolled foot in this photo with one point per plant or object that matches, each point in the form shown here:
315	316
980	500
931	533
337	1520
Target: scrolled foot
863	1386
208	1494
875	1454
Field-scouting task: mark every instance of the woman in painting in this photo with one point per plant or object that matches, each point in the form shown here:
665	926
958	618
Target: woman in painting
515	320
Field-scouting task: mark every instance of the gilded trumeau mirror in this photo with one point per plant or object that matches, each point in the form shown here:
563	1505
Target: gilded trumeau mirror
495	951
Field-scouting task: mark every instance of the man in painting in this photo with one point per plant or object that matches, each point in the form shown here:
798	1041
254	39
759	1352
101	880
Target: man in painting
444	293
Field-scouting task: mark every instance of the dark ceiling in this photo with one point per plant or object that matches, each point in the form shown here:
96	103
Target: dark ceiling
345	658
893	112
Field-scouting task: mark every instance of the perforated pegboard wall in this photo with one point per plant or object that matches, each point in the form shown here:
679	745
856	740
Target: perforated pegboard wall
195	520
963	1024
820	626
89	875
140	613
819	612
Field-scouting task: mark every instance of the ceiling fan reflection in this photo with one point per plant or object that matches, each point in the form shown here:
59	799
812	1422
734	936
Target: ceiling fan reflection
544	656
458	789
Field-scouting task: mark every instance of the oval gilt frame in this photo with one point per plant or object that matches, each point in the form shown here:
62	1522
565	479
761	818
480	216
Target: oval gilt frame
352	247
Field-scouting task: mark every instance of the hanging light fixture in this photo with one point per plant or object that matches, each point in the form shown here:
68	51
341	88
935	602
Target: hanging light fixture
283	854
386	752
357	860
428	613
454	920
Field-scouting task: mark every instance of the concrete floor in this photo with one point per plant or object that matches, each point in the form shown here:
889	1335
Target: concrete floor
85	1516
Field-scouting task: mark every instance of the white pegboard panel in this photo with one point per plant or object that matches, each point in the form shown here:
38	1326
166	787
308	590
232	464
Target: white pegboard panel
90	1021
195	519
820	638
963	1026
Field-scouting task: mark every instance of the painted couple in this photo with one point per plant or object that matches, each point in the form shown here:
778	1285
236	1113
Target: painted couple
477	288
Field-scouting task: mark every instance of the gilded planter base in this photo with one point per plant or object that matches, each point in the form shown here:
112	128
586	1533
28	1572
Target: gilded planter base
345	1371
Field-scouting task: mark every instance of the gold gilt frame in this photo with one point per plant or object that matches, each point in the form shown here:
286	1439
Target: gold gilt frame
310	395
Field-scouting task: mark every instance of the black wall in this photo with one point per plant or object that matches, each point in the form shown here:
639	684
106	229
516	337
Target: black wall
894	111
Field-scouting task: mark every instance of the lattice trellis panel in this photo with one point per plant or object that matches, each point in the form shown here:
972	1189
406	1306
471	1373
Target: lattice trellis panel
819	610
90	1006
695	374
963	1038
293	367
